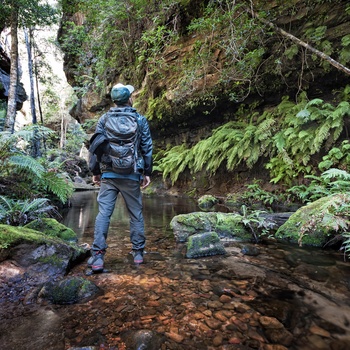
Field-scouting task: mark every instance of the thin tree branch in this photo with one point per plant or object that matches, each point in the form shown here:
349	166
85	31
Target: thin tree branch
321	54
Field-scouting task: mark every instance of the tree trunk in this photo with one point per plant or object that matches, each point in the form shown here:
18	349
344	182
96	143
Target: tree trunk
35	149
28	40
12	96
38	97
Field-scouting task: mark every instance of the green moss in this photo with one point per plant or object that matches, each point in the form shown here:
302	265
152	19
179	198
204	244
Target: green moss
11	235
53	228
207	201
53	260
231	226
315	223
226	225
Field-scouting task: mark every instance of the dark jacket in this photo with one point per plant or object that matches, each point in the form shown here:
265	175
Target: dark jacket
99	145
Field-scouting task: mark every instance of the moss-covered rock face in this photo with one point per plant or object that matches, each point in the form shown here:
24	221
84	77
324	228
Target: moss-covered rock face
68	291
53	228
226	225
316	223
204	244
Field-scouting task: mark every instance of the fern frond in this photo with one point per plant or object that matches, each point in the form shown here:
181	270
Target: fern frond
24	163
322	133
335	173
264	130
35	205
60	186
315	102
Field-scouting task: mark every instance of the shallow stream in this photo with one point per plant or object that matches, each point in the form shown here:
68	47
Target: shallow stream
286	297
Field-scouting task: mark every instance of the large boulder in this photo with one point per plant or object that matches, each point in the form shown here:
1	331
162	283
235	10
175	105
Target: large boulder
318	222
29	258
226	225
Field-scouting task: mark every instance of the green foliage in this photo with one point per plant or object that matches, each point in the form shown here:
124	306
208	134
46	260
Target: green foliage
330	182
74	139
316	34
174	162
223	29
288	136
153	41
30	13
25	177
20	212
89	125
73	39
346	243
255	193
337	157
258	225
345	51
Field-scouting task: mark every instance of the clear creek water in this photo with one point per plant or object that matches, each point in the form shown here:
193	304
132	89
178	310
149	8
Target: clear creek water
284	298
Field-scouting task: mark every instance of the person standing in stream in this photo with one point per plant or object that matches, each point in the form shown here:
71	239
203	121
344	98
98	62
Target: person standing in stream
122	149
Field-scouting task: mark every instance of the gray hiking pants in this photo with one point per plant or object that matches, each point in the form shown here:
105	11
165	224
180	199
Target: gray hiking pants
107	197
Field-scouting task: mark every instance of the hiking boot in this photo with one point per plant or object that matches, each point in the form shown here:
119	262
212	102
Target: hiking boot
138	256
96	261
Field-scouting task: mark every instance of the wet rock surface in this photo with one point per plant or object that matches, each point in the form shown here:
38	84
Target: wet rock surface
231	301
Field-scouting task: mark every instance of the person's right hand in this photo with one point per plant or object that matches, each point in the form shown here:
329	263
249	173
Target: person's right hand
146	180
96	179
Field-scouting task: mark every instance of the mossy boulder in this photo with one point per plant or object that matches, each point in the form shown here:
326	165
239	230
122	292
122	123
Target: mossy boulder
226	225
13	235
53	228
204	244
316	223
41	255
207	202
69	290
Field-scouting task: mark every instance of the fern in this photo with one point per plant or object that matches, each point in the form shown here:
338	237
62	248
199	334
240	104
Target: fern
58	185
174	162
336	173
17	212
25	164
289	135
346	244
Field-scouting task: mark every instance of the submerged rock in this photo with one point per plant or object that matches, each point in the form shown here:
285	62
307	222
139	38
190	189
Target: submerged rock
68	291
143	339
250	250
204	244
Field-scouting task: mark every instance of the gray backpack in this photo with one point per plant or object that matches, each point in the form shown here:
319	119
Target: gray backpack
122	131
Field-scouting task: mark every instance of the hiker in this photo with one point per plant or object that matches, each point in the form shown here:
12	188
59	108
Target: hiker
122	147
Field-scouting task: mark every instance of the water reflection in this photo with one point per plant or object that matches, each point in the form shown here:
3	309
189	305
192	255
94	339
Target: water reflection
158	212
